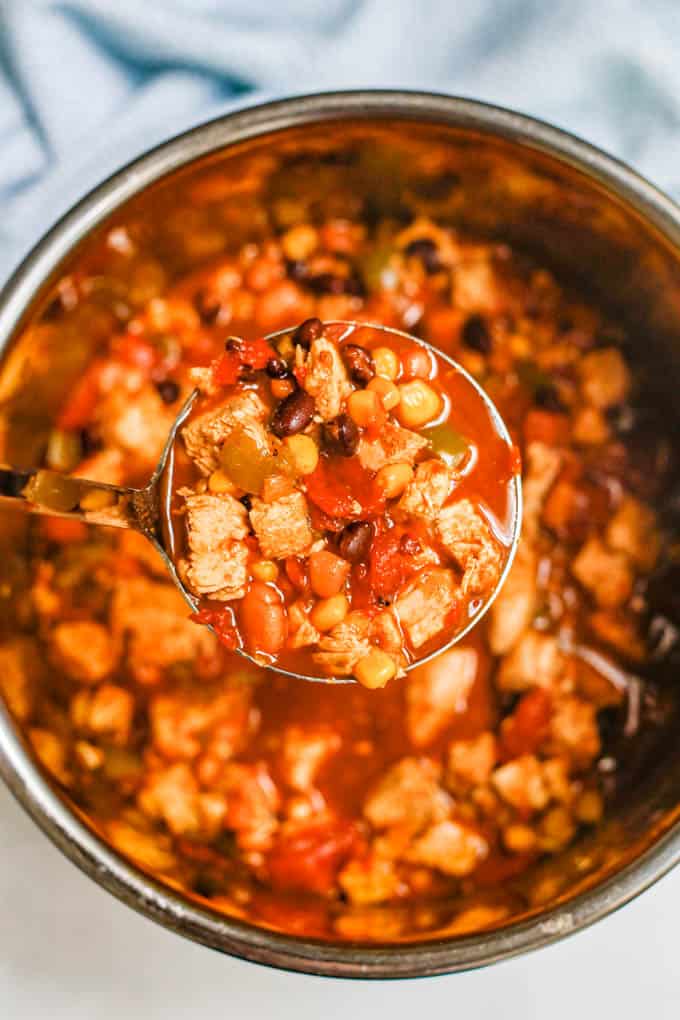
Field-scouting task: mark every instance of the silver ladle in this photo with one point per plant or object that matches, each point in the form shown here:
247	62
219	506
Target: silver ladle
42	491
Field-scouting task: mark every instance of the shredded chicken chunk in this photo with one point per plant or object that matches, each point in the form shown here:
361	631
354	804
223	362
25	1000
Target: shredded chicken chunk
395	445
425	604
326	378
204	436
216	527
437	692
427	493
282	527
468	539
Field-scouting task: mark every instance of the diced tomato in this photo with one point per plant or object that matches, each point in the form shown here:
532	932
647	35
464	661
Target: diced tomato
249	353
389	566
443	326
297	572
79	407
310	858
338	484
222	622
546	427
63	530
136	351
527	727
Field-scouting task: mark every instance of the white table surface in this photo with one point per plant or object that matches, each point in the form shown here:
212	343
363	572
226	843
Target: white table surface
69	951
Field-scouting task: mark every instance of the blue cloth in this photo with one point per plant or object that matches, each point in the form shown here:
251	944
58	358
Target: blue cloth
85	85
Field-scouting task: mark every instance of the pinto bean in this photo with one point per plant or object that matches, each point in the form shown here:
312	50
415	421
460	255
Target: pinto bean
359	363
355	541
263	619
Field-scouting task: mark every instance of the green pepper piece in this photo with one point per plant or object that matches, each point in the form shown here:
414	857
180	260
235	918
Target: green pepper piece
448	443
248	465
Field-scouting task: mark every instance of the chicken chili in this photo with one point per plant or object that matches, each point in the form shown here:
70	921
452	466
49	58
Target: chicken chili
347	506
335	810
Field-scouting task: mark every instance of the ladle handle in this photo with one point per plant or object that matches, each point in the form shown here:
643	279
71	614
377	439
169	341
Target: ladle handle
48	492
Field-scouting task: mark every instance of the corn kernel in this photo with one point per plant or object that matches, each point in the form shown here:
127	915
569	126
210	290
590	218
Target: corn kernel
220	482
386	390
299	242
419	404
281	388
327	613
589	807
365	408
385	362
375	669
264	570
393	479
98	499
519	839
556	829
304	451
88	755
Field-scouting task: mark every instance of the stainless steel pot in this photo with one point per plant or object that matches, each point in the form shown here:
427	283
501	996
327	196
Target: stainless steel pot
579	210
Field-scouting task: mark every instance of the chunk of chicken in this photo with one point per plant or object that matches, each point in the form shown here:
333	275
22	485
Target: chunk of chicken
408	795
574	732
451	847
282	527
535	661
252	804
136	423
85	650
204	436
105	712
304	752
471	762
468	539
543	463
184	724
171	794
605	573
425	604
341	649
21	669
605	377
426	494
326	378
216	527
395	445
512	612
437	692
370	879
633	531
521	783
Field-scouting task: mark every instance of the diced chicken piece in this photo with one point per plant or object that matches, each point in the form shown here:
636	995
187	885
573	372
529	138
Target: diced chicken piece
451	847
304	752
386	633
605	378
408	795
252	804
84	650
371	923
204	380
370	879
155	619
282	527
605	573
468	539
183	725
150	850
574	732
471	762
343	646
107	465
427	492
514	608
425	604
51	753
204	436
218	556
536	661
633	531
304	635
589	427
136	423
326	378
476	288
437	692
619	632
543	465
395	445
521	783
105	712
21	670
171	794
556	776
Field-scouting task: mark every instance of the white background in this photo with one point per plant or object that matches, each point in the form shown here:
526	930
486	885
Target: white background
69	951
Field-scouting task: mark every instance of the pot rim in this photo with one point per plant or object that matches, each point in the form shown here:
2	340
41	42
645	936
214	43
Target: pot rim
23	776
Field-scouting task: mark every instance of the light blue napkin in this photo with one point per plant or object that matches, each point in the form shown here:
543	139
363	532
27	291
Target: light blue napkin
85	85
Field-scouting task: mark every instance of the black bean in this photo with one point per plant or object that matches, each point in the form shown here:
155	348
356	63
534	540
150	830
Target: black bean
89	443
335	283
547	397
426	250
207	307
355	541
341	435
277	367
247	501
476	335
293	414
297	269
233	344
307	331
359	363
168	390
